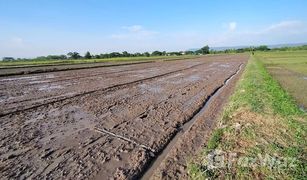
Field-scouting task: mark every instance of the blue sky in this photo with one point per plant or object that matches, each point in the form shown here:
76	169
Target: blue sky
31	28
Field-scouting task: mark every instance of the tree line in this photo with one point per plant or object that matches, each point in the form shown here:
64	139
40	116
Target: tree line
88	55
258	48
202	51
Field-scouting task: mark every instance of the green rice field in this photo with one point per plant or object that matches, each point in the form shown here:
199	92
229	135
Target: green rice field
290	69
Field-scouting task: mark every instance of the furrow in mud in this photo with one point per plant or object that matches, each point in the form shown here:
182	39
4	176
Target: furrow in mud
106	71
111	88
58	68
23	90
154	164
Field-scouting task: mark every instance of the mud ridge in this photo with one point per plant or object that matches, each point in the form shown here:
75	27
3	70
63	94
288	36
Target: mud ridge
78	68
114	87
157	160
67	69
81	77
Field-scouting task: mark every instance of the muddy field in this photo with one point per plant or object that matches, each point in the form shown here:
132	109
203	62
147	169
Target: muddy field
107	122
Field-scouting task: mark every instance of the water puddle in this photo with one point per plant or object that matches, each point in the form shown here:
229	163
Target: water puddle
21	78
50	76
49	87
37	82
169	78
2	98
224	65
192	78
153	89
213	64
5	98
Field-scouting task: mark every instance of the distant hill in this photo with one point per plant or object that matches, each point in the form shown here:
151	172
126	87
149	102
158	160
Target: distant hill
286	45
238	47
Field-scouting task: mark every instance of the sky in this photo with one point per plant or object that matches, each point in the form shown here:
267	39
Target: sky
30	28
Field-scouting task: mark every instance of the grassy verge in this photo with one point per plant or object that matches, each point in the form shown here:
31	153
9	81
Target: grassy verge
80	61
261	134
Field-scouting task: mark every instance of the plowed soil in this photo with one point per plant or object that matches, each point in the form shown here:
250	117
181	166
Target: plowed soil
106	122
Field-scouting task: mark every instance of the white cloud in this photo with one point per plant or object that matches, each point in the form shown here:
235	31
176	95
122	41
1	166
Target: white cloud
134	28
137	38
232	26
135	32
16	42
294	31
285	25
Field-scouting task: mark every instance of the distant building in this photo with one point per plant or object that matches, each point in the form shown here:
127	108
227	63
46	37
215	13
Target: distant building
8	59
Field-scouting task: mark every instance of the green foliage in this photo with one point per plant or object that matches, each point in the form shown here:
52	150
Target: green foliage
296	48
204	50
189	52
262	48
174	54
37	62
215	139
156	53
88	55
146	54
74	55
7	59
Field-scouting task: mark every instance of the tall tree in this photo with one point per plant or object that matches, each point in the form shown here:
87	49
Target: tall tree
204	50
146	54
74	55
125	54
262	48
156	53
87	55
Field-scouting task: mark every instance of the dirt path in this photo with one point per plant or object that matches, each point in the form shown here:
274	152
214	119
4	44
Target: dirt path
109	122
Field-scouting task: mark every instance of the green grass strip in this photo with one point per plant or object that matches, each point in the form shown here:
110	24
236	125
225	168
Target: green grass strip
257	92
